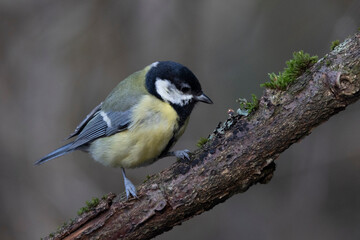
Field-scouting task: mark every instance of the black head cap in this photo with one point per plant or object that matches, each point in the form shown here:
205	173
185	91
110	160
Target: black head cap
177	74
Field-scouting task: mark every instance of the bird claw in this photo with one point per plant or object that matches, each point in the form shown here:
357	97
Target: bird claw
129	188
183	154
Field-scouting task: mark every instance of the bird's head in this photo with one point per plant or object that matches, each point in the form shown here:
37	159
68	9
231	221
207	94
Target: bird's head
174	83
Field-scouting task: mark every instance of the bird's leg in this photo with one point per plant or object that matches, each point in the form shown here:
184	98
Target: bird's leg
129	187
183	154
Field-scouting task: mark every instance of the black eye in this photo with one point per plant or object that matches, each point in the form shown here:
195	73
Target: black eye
185	89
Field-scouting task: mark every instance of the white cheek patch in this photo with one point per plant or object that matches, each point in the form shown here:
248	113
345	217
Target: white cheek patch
170	93
106	118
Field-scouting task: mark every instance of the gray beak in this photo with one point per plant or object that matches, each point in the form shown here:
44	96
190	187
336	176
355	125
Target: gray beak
203	98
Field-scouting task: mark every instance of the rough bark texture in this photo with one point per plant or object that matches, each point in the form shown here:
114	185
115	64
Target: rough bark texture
240	154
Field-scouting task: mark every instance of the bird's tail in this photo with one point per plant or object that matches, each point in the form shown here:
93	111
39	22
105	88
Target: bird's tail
57	153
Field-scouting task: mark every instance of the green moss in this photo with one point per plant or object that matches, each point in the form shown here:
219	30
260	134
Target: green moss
201	142
248	106
328	63
334	44
93	203
82	210
294	68
51	235
147	178
89	205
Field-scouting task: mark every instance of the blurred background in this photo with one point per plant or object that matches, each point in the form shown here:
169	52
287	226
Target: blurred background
59	59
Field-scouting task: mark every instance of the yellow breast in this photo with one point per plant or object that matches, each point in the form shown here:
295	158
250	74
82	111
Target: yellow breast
154	123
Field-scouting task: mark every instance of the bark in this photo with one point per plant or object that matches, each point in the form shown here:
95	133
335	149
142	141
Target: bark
241	153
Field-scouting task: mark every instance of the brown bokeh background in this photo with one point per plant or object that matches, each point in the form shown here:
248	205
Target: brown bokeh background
59	59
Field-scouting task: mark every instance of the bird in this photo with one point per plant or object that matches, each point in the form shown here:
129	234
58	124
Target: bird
139	121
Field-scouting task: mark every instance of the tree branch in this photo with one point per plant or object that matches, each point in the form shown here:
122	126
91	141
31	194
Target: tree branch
240	154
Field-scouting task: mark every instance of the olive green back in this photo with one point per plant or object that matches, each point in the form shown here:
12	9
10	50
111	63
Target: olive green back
127	93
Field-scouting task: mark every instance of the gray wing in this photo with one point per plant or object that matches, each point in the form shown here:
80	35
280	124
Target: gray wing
85	121
101	124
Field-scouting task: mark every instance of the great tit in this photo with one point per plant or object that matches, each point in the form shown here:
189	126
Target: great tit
140	120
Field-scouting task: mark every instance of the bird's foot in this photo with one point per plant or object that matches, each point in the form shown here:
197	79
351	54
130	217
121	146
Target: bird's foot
183	154
129	188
